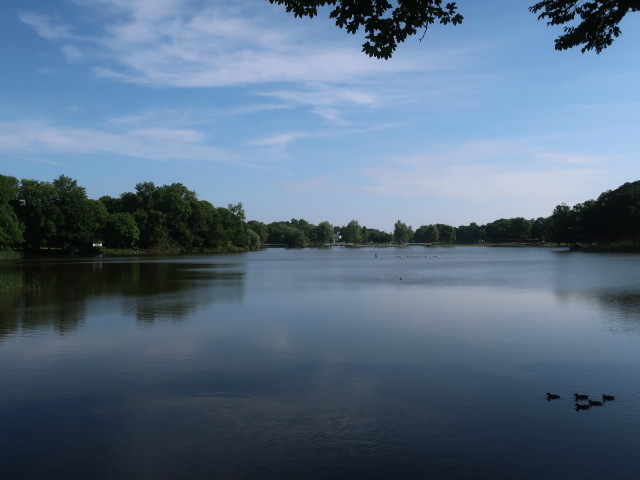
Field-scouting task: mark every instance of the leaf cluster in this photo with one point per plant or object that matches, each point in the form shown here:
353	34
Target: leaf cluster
590	23
385	23
597	21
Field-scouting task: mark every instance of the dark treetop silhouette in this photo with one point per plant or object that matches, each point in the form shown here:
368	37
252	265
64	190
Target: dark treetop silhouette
594	24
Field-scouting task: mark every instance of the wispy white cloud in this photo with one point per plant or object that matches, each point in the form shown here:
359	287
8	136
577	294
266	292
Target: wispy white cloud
180	43
153	143
509	171
170	43
281	140
48	28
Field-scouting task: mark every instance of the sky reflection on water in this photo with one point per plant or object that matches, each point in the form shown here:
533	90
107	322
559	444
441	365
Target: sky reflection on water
323	363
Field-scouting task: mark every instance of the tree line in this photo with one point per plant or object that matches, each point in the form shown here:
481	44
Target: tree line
170	218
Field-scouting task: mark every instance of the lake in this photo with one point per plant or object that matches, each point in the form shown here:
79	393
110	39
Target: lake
339	363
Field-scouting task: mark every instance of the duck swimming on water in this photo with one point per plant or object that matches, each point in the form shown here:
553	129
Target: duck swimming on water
607	398
579	396
580	406
552	396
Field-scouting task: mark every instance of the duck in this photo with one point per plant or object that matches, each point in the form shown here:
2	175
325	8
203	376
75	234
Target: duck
580	406
579	396
607	398
595	403
552	396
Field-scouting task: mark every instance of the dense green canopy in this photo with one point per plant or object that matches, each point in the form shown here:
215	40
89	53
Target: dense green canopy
170	218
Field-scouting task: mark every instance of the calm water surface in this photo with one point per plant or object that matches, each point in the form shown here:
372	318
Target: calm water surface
406	363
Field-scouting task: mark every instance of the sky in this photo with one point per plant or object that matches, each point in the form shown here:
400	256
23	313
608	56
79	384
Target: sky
242	102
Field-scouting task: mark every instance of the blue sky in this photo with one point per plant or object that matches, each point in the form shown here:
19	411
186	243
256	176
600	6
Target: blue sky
242	102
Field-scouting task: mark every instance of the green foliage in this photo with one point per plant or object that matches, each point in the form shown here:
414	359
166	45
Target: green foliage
498	230
519	229
76	226
378	236
352	233
153	229
472	233
170	218
253	240
447	233
539	229
37	213
260	228
121	231
284	233
563	225
11	229
615	215
402	232
323	234
427	234
237	210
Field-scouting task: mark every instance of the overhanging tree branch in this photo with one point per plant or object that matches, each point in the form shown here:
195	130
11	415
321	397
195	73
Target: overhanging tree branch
594	23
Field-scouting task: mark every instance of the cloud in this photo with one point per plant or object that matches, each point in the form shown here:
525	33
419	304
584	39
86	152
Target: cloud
280	141
153	143
183	44
509	171
46	28
171	43
327	101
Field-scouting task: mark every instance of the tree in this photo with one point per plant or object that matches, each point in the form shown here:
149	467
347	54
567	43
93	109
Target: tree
352	233
37	213
146	191
590	220
11	228
427	234
260	228
387	23
377	236
562	224
402	232
471	233
76	226
447	233
153	229
202	222
323	233
176	201
231	229
121	230
539	229
237	210
618	213
283	233
598	24
519	229
253	240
